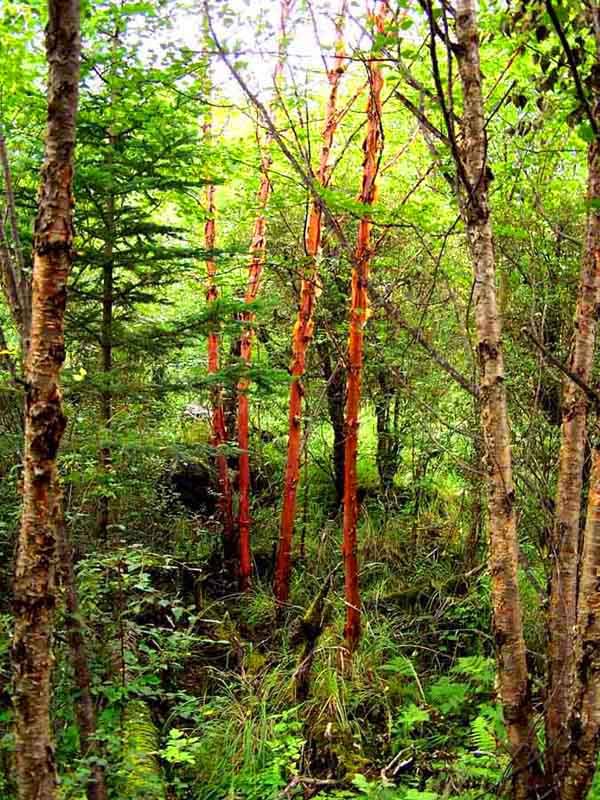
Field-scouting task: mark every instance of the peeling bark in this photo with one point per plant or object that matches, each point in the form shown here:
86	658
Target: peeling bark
573	716
303	329
219	432
574	776
564	543
34	582
359	314
255	268
508	625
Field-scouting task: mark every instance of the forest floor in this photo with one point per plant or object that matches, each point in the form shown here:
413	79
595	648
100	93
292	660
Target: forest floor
204	693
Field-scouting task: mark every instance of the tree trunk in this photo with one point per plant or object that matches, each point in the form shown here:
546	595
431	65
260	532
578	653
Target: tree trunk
386	404
219	433
106	334
34	582
564	544
508	625
577	684
257	250
257	261
575	771
85	710
303	329
359	313
107	360
335	380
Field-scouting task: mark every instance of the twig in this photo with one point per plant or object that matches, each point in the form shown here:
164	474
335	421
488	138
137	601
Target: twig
587	390
572	65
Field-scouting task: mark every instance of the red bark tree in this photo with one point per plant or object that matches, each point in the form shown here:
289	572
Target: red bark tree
255	268
359	314
219	431
304	326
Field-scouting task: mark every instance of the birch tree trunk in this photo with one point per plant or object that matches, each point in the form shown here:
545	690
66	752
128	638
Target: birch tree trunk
564	544
34	583
508	625
574	688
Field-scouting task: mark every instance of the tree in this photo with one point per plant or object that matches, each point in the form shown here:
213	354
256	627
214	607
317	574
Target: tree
135	121
563	614
255	268
35	580
304	325
359	314
508	625
219	432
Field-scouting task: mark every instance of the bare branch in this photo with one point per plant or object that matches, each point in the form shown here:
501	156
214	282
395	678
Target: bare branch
306	178
590	393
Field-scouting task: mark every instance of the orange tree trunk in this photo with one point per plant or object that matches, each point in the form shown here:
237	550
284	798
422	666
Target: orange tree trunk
219	433
34	582
372	147
257	261
508	625
303	329
564	546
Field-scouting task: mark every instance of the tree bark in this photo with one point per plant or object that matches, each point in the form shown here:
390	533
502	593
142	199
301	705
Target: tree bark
34	582
575	755
304	326
257	262
508	625
359	314
107	356
219	432
335	380
564	544
574	772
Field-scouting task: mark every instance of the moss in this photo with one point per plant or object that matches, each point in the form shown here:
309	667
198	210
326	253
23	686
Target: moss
140	775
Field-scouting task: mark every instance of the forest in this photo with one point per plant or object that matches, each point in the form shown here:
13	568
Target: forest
299	399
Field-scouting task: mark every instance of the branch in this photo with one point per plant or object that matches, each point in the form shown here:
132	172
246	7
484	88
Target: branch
460	167
590	393
420	339
422	118
306	178
435	28
572	65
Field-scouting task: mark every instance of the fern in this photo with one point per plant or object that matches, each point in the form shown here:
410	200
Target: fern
482	735
481	670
